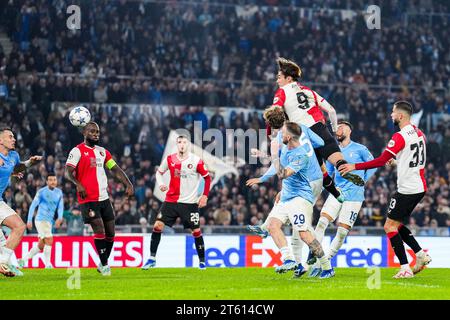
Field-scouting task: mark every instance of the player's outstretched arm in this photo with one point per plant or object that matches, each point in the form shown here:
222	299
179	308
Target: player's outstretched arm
122	177
375	163
69	173
21	167
328	108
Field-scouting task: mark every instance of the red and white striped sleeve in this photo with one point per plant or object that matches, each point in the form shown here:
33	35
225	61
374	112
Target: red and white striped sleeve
280	98
74	157
396	144
164	166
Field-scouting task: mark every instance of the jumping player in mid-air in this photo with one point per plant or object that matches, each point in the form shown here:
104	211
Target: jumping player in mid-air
305	106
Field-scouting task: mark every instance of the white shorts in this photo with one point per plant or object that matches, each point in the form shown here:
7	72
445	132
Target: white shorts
316	187
347	211
5	211
297	211
44	229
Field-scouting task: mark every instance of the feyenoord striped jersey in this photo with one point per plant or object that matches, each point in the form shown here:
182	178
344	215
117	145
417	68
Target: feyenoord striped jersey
301	104
185	177
89	163
408	146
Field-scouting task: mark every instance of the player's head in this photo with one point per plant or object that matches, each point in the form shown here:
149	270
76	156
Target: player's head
7	139
274	116
91	133
182	144
52	182
344	130
401	112
288	71
291	131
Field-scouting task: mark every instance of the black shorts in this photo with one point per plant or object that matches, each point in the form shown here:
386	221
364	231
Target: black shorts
402	205
188	212
99	209
330	144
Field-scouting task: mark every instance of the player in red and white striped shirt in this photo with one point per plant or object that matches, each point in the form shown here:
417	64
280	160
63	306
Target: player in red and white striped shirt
85	167
408	147
186	172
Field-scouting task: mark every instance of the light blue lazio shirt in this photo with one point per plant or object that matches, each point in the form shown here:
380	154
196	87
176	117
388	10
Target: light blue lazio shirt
47	201
296	185
310	141
9	162
353	153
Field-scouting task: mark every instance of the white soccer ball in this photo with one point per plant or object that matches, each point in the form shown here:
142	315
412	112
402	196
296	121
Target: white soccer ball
79	116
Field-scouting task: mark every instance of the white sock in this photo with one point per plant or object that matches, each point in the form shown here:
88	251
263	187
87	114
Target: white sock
297	246
420	254
320	228
325	263
6	255
47	254
34	251
286	254
405	267
337	242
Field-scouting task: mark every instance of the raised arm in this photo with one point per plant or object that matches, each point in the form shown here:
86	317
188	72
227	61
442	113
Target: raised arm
328	108
22	166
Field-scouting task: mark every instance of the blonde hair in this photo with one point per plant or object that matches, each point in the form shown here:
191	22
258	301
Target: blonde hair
274	116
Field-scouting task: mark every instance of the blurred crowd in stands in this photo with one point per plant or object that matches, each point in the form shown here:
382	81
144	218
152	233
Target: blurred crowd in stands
219	55
138	145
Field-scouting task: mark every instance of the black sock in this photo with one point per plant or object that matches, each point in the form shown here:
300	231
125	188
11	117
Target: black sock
109	246
329	185
340	163
397	245
100	245
408	238
200	246
156	237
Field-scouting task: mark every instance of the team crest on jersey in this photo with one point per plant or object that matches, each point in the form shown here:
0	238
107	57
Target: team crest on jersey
190	166
275	100
102	154
391	143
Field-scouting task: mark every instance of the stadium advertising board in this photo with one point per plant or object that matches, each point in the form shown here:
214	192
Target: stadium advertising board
225	251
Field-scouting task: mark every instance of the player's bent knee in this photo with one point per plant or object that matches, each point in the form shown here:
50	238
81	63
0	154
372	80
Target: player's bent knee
20	228
158	227
389	228
306	237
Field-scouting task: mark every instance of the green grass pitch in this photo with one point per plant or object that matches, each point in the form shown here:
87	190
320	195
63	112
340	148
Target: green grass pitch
222	283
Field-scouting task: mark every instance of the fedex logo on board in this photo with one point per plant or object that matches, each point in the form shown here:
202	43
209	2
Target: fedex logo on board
239	251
